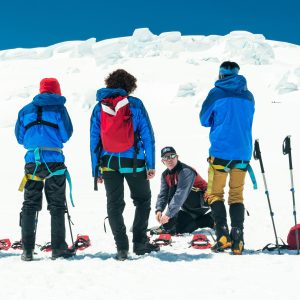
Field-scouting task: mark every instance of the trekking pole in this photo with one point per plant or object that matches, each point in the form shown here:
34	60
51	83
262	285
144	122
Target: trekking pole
70	222
286	149
257	156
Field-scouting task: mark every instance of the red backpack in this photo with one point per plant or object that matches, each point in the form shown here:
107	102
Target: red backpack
291	238
117	133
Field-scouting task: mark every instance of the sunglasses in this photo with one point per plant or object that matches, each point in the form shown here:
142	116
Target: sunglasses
168	157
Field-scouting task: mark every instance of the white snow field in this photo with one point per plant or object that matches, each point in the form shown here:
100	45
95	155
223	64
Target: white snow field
174	74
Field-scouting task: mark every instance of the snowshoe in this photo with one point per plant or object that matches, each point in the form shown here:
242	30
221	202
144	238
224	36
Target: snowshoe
5	244
17	245
82	242
200	241
163	239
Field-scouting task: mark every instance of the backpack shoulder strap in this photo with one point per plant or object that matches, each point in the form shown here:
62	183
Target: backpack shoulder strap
39	120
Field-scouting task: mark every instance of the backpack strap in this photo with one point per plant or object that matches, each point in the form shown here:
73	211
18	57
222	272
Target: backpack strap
39	120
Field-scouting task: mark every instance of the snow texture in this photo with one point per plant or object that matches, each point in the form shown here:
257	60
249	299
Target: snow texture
174	74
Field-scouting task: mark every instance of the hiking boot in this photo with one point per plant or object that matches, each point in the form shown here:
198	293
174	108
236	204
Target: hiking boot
222	243
143	248
223	238
62	253
237	240
27	255
121	255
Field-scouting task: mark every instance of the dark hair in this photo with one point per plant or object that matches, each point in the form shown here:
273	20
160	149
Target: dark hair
229	65
121	79
228	68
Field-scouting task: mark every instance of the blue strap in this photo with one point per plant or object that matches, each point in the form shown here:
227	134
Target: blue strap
68	177
37	158
226	168
252	176
64	171
130	170
109	160
248	168
241	166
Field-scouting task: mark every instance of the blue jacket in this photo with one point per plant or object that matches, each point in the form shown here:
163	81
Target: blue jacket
228	110
141	124
53	111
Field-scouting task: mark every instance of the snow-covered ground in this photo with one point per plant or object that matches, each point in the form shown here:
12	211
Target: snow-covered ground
174	75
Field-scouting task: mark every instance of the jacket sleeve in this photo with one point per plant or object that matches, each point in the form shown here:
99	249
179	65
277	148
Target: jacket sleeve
186	178
95	138
207	111
65	125
162	198
147	136
20	129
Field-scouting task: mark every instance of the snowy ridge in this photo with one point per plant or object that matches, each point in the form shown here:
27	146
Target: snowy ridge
252	51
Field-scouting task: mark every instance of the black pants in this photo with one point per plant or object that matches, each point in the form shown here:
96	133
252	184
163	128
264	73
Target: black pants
55	192
140	193
185	223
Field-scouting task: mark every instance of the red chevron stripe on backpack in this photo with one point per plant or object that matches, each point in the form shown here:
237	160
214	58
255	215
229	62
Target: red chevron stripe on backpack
117	133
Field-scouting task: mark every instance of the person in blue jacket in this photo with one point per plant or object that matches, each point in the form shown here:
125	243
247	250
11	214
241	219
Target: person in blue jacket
122	147
42	127
228	110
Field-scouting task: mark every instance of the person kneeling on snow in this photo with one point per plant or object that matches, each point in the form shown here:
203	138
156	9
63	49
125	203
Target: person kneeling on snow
182	192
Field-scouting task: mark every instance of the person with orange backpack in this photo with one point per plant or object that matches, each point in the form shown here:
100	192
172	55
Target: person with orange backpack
122	147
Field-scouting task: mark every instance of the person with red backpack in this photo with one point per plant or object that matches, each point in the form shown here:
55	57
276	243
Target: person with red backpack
43	126
181	197
122	147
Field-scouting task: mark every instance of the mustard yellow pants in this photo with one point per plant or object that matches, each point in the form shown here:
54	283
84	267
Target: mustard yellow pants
217	182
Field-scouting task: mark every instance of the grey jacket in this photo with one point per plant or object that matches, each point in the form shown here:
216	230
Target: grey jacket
175	196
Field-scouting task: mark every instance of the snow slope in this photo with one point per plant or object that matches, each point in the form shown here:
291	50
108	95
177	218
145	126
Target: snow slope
174	75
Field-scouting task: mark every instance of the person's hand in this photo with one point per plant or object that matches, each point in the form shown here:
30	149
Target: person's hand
206	196
164	219
100	179
158	216
150	174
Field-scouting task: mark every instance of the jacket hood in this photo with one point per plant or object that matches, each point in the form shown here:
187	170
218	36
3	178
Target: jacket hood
109	93
234	83
48	99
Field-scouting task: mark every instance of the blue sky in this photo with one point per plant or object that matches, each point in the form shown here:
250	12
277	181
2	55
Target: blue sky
34	23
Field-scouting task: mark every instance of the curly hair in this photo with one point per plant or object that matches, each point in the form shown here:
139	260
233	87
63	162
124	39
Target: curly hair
121	79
